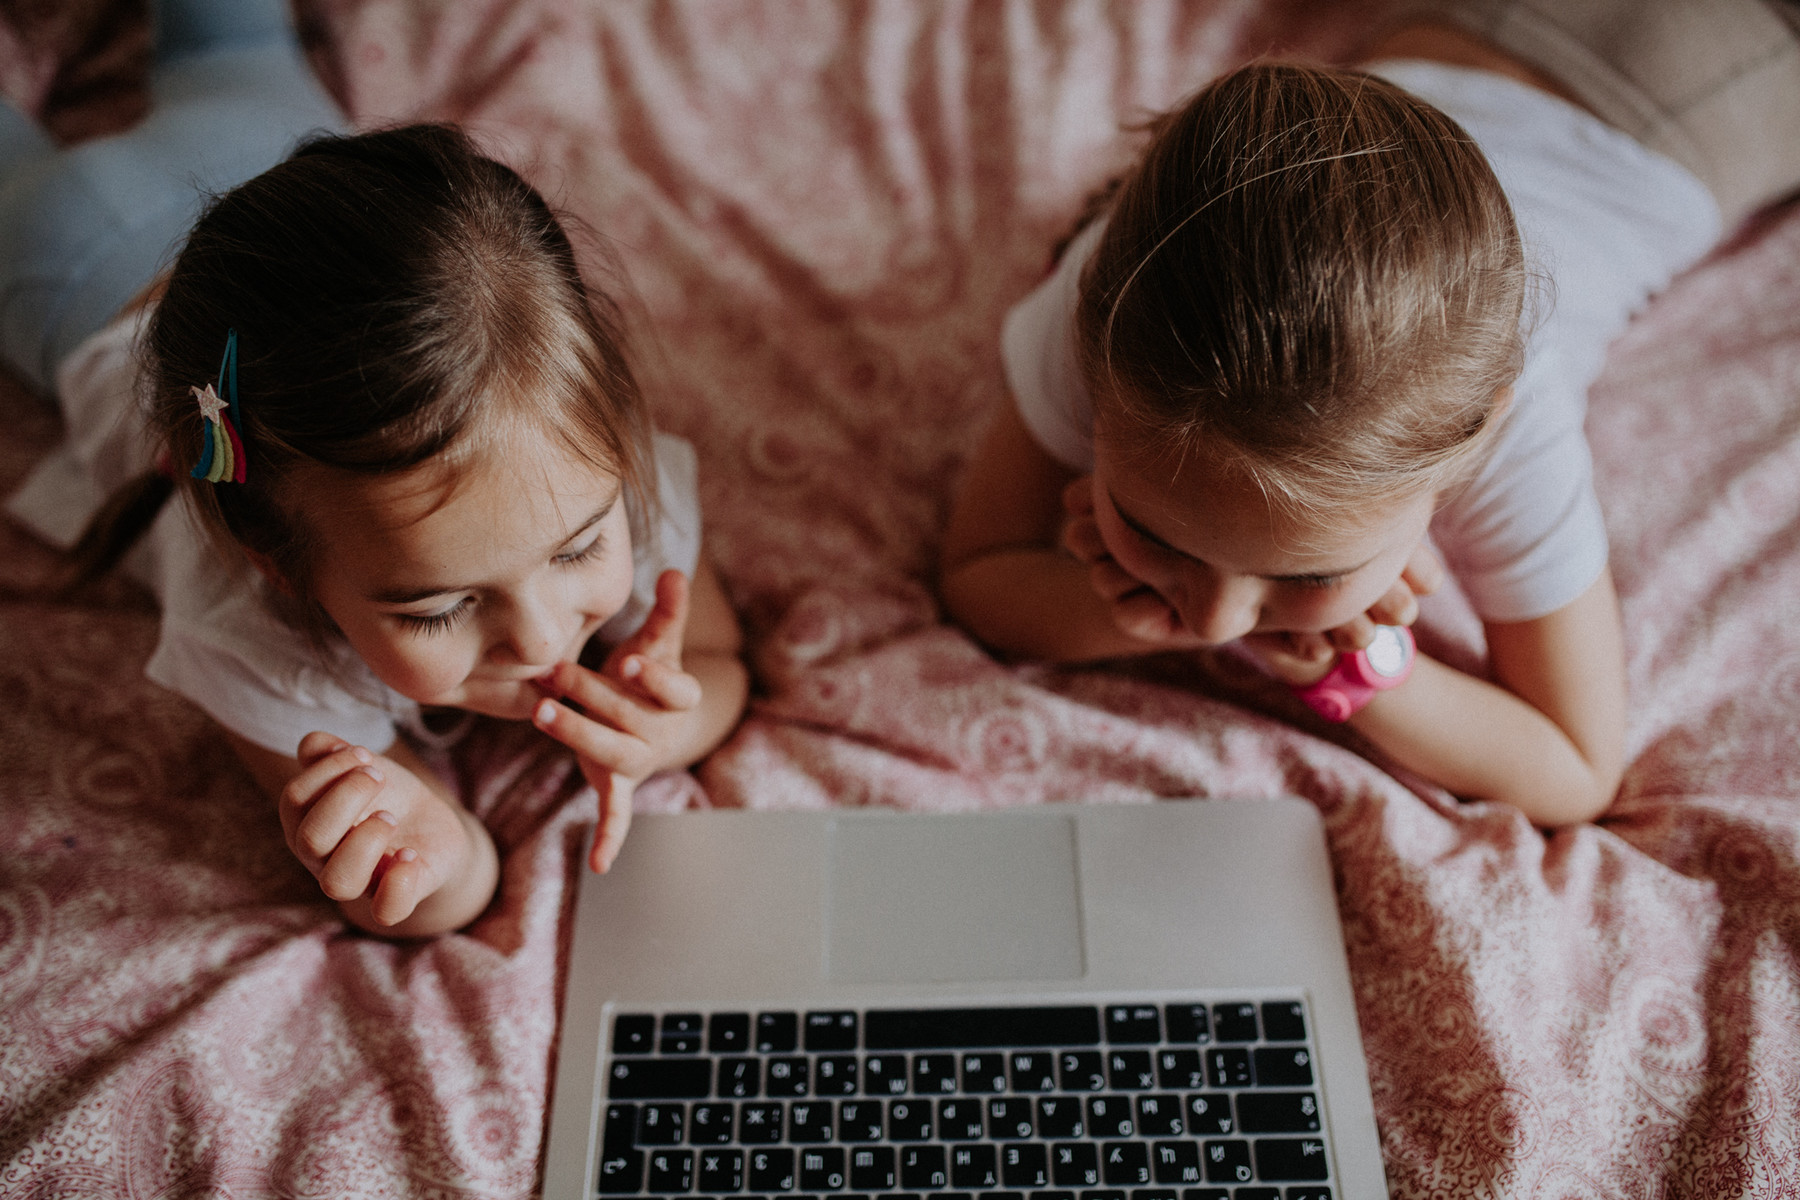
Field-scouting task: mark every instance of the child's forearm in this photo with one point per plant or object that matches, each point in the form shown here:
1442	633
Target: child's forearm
1035	603
1481	742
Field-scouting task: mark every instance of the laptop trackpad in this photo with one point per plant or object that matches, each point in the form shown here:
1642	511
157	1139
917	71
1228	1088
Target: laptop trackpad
916	902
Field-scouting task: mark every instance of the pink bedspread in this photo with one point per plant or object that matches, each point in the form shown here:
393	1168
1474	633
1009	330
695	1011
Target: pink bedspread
824	211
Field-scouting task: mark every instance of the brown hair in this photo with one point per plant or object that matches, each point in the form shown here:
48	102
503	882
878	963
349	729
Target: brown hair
396	296
1313	279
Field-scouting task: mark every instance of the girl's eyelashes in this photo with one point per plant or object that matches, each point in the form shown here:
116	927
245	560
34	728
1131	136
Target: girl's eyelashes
437	622
1321	583
587	553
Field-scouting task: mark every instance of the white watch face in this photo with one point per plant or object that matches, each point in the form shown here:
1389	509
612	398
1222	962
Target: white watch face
1387	653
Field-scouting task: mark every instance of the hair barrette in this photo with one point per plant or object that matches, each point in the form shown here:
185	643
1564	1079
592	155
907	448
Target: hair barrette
221	443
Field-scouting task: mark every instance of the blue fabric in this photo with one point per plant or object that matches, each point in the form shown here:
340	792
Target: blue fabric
83	230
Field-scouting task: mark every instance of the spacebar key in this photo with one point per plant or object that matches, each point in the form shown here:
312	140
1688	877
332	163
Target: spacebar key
659	1079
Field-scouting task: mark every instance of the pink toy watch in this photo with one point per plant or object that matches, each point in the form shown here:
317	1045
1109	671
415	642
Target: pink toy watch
1355	678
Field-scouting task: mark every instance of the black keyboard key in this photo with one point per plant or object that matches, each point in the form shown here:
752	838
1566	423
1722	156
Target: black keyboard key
909	1120
1046	1196
1226	1162
1278	1112
618	1129
974	1028
1075	1164
1187	1023
1061	1117
1309	1193
1234	1022
661	1124
711	1124
1296	1159
834	1075
974	1167
777	1032
740	1078
659	1079
729	1033
621	1172
1106	1194
1009	1118
772	1170
1033	1071
759	1124
1209	1115
1130	1070
787	1077
959	1120
1228	1067
924	1168
1110	1117
1176	1162
1257	1193
933	1074
872	1169
984	1073
830	1031
633	1034
1205	1194
809	1121
859	1121
822	1169
1159	1116
884	1075
1125	1164
1283	1066
1180	1069
1081	1071
1025	1165
671	1171
721	1170
1284	1021
1133	1024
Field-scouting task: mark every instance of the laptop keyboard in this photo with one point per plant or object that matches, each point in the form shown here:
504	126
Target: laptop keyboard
1100	1102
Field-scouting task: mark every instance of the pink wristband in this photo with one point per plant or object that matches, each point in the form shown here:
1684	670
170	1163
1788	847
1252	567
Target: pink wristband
1355	678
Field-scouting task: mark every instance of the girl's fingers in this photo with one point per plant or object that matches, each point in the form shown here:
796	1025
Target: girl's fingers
600	697
1147	616
1397	606
404	882
669	686
306	785
1424	572
1352	635
333	814
590	739
1112	582
661	634
317	745
1078	497
350	869
615	821
1082	539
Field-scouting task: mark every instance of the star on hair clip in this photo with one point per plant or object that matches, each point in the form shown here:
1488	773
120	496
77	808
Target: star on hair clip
221	446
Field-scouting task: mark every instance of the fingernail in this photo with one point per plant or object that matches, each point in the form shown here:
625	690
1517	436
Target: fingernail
361	755
407	854
632	667
385	815
372	772
545	712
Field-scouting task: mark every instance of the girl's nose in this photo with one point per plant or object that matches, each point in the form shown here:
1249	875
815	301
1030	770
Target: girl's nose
1217	610
535	635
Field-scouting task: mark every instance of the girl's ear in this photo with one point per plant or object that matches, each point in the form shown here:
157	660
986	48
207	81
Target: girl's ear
266	567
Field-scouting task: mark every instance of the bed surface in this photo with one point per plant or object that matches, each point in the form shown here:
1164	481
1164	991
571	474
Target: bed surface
823	211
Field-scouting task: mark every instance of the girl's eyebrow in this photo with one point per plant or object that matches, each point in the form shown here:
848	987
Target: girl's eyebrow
1138	527
412	595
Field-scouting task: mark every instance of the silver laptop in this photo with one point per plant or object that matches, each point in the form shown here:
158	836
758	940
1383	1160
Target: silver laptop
1068	1002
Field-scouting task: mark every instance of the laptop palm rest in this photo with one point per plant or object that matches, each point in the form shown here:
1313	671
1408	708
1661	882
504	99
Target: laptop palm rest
922	902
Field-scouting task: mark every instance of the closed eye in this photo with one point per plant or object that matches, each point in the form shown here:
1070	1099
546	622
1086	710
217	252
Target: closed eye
1316	582
587	553
438	622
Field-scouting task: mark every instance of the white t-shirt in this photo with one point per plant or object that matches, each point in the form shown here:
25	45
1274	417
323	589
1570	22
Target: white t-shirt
1607	221
221	644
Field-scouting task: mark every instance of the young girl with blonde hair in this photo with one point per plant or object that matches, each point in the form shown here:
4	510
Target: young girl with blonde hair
416	472
1339	323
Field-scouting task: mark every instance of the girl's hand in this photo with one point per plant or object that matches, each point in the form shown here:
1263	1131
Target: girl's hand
1138	610
1302	659
366	826
626	720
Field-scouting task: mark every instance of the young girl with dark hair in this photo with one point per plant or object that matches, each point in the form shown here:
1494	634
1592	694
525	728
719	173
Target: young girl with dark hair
1337	319
415	470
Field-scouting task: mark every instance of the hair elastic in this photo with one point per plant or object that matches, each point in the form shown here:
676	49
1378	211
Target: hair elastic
221	445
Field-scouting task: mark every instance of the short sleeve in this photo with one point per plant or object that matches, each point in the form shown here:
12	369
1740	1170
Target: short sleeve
1037	349
673	540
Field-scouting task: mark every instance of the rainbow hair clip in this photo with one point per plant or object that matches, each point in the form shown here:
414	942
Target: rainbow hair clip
221	445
